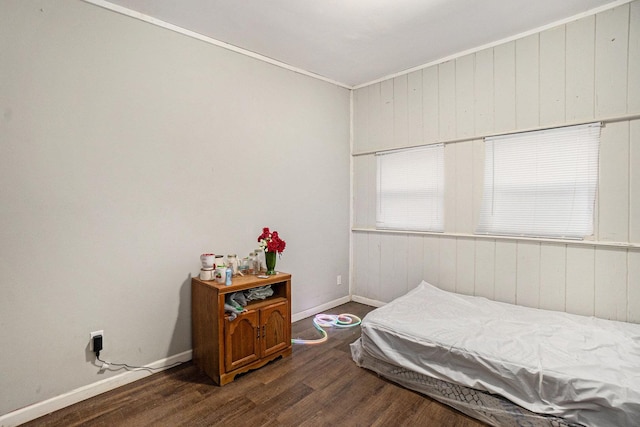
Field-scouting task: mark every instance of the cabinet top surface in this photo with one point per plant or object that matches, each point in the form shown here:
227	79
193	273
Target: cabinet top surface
244	282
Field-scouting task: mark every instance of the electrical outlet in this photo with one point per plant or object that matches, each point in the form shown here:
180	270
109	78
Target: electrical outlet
339	280
94	334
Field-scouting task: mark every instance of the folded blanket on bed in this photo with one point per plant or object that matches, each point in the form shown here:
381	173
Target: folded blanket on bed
584	369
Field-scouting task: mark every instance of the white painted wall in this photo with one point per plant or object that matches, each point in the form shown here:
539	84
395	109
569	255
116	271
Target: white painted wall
588	69
126	150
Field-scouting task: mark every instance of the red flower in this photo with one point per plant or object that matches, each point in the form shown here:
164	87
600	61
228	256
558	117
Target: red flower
265	234
271	241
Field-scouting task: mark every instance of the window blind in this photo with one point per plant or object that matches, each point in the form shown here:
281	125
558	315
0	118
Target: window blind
541	183
410	189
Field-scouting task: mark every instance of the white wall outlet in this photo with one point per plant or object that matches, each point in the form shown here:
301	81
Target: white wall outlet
339	280
94	334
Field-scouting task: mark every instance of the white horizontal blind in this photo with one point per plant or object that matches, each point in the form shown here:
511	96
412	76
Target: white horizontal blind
410	189
541	183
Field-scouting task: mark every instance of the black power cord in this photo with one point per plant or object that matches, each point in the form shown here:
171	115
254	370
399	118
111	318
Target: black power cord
97	346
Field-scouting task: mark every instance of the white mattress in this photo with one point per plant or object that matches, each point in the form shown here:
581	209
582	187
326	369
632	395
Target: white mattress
583	369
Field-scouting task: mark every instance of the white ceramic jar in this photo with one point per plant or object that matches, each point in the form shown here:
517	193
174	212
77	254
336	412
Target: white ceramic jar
207	261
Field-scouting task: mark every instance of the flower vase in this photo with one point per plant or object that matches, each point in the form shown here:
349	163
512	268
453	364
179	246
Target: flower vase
270	259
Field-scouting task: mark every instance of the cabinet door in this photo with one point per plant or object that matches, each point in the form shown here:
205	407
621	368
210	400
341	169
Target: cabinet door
241	338
276	332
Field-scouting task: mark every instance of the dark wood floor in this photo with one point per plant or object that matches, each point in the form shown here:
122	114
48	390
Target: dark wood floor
318	385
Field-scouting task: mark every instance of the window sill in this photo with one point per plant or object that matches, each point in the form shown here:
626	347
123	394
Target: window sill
624	245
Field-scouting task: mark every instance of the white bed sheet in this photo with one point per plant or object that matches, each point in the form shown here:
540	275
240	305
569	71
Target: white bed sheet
584	369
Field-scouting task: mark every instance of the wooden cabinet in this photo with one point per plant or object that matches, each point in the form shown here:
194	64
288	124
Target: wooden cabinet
258	333
224	348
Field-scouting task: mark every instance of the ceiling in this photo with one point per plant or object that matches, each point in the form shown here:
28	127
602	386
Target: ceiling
358	41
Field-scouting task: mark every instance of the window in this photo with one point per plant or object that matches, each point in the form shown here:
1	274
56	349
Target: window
541	183
410	189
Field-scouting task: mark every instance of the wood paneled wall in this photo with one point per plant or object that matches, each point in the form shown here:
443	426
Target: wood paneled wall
588	69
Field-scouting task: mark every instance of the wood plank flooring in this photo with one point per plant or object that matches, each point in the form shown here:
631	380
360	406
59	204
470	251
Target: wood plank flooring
318	385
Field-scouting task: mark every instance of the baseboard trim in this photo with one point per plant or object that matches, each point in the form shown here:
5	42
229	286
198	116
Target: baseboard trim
31	412
320	308
367	301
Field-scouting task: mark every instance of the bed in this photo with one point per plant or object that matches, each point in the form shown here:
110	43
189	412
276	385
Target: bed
505	364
